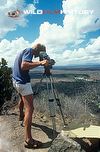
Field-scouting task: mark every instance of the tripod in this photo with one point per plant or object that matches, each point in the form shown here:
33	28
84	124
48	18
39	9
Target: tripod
52	97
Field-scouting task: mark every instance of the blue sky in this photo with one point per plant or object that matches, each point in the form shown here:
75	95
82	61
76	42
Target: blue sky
34	21
71	38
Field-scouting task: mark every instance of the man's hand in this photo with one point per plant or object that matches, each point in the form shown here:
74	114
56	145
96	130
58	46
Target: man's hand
44	63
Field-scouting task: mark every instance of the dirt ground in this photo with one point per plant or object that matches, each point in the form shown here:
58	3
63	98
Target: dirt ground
12	133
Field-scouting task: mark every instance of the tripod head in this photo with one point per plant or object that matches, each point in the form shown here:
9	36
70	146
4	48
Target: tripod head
44	56
47	71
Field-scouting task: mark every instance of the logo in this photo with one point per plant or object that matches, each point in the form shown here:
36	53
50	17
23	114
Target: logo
14	14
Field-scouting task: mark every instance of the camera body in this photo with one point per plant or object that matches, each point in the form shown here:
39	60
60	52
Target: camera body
44	56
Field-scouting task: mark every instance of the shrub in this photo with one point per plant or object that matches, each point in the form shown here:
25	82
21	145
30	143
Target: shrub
5	82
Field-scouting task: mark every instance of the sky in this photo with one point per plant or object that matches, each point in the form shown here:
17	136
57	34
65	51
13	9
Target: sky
70	29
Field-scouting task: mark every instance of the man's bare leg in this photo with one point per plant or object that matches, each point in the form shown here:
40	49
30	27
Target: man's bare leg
21	108
28	103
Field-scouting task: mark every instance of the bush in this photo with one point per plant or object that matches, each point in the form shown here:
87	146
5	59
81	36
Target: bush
5	82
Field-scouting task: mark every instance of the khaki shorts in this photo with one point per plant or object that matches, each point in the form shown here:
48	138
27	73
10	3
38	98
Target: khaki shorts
23	89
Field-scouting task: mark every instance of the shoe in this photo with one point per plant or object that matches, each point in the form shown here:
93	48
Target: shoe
34	144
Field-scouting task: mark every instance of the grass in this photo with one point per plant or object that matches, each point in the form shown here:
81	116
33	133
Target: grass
77	99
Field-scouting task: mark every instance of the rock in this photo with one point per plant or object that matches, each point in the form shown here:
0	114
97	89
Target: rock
65	144
44	119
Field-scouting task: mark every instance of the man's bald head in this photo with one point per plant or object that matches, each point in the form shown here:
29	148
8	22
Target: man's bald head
38	48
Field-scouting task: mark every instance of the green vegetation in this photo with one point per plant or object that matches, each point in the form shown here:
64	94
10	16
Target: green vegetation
72	75
5	82
77	99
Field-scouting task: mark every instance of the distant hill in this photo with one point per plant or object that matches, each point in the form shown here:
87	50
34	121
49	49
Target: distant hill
77	67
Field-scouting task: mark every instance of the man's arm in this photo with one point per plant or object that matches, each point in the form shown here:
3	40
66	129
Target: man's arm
25	65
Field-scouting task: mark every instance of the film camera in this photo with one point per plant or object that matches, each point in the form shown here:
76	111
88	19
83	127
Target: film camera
44	56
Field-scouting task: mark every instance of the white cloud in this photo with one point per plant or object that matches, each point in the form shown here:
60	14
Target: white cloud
89	54
80	24
52	36
9	50
10	24
74	26
74	29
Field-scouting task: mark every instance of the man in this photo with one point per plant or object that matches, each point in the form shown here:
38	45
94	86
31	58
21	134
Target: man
21	81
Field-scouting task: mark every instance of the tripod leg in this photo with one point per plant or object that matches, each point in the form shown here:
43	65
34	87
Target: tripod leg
58	101
37	88
51	108
52	115
59	104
